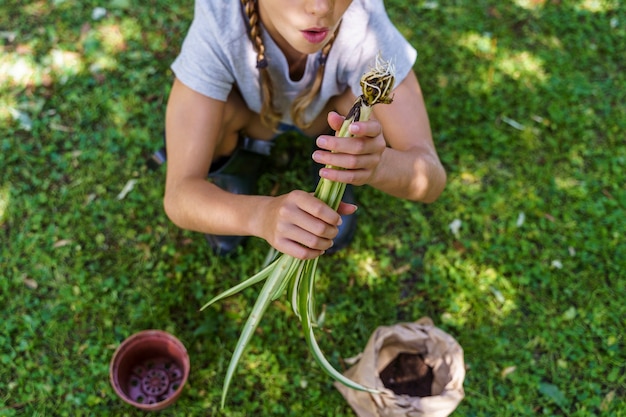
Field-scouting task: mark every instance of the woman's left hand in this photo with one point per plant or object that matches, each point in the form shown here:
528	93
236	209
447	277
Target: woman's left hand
358	156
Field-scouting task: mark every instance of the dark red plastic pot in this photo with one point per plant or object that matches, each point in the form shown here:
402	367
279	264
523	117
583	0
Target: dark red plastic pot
149	369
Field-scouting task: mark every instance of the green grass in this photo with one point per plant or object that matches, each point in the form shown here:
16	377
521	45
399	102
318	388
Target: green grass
527	104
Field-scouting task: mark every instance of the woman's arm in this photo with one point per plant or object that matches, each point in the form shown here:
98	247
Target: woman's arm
296	223
393	153
192	130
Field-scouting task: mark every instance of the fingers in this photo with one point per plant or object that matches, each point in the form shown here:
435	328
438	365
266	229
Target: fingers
335	120
304	226
297	250
346	208
367	139
301	225
370	128
310	231
352	146
358	156
358	160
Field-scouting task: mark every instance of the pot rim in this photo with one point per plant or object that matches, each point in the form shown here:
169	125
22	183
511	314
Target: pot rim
180	354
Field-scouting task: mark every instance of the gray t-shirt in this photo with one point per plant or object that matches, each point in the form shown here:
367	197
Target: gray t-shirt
217	54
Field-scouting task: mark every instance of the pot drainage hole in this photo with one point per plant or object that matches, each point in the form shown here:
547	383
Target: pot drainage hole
154	381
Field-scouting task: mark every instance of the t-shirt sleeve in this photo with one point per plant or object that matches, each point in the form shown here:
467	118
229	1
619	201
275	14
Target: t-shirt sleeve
377	35
201	64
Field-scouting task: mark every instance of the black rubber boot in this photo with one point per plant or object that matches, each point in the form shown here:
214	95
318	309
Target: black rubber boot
238	174
157	159
348	227
347	230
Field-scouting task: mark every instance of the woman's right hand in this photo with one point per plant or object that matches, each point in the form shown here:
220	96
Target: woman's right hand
301	225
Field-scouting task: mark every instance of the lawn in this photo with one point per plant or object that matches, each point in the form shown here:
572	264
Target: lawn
522	259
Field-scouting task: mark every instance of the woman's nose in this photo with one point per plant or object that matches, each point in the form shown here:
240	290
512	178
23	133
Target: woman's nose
318	7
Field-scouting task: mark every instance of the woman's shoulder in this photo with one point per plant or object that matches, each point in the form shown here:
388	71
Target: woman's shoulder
365	32
369	8
364	21
365	16
222	18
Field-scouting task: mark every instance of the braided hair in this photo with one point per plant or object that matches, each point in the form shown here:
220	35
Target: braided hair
270	116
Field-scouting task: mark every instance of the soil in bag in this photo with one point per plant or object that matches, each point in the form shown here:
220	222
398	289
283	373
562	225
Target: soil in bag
409	375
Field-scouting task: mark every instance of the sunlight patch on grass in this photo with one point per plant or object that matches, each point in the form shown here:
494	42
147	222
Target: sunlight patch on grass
498	292
368	272
475	291
530	4
132	30
65	64
522	66
100	46
113	41
18	69
36	8
482	45
5	197
103	63
122	109
469	180
594	6
598	6
7	106
567	183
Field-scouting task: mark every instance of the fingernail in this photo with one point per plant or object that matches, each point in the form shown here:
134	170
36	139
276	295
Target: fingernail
340	222
321	141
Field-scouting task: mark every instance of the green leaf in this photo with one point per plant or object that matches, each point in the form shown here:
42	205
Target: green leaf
554	393
260	276
280	269
305	304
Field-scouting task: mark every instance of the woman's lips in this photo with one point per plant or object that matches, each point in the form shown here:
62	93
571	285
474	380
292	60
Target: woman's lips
315	35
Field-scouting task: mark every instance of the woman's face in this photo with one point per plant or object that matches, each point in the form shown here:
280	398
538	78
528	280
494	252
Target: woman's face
301	26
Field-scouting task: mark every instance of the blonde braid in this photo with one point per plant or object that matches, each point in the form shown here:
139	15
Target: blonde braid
305	98
269	115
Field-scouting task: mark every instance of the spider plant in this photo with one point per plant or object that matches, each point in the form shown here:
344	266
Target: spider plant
296	275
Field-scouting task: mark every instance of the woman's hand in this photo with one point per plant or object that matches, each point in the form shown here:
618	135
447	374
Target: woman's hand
301	225
359	156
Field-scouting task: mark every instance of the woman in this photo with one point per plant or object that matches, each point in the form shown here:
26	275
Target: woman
249	71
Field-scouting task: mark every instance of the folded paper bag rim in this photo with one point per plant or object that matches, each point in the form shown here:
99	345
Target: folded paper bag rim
440	351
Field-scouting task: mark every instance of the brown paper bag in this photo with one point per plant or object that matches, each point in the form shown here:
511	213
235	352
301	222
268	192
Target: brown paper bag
417	355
